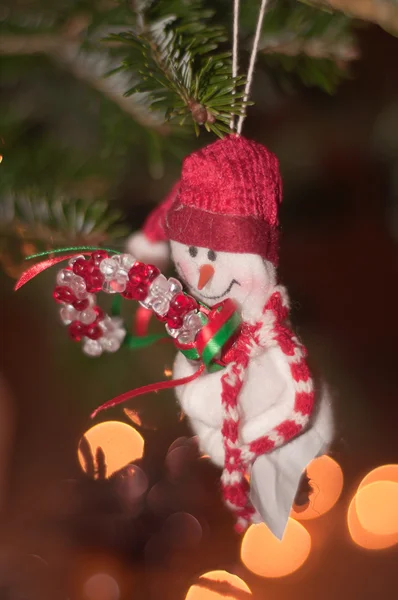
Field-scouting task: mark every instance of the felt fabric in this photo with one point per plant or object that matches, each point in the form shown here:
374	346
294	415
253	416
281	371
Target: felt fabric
246	278
154	226
227	199
150	245
153	253
272	394
222	218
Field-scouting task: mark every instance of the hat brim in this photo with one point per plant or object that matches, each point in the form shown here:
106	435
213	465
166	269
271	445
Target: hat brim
221	232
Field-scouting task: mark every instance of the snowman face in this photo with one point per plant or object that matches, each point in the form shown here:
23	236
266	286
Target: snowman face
214	276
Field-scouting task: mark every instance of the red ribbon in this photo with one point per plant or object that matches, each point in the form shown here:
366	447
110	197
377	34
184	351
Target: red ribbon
219	314
146	389
40	267
141	321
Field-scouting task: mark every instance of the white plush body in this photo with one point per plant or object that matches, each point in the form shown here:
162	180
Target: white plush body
266	400
267	397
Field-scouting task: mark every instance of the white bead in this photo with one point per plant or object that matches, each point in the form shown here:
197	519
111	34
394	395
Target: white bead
120	281
161	306
107	286
119	334
147	303
193	322
159	286
65	277
78	285
88	316
186	337
74	258
108	267
117	322
126	261
92	347
173	332
68	314
110	344
175	287
111	324
106	324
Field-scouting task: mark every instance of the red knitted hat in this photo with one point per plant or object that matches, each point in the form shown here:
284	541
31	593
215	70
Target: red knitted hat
227	200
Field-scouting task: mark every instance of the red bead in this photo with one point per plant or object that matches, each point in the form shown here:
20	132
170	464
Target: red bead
62	293
94	281
142	273
129	292
141	292
94	332
98	256
76	330
182	304
81	304
153	272
136	291
81	267
100	313
175	321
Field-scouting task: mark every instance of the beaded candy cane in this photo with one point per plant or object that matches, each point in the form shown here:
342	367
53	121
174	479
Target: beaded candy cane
121	274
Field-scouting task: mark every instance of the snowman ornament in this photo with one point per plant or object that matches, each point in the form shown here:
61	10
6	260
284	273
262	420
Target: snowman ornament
261	418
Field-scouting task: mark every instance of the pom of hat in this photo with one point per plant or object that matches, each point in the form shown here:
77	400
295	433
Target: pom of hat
150	245
148	251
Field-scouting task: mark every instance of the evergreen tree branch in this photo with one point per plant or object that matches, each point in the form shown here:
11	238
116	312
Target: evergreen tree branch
318	48
381	12
66	49
58	219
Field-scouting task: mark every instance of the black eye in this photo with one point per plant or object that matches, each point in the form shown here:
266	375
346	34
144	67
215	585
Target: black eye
211	255
193	251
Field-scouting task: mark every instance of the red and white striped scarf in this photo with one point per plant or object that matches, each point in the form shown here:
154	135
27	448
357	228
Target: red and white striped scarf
271	330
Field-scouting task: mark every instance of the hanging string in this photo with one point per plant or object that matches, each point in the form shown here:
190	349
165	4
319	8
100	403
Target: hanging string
251	64
235	52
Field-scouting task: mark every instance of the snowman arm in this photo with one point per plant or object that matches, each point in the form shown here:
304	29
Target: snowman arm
266	422
200	399
286	418
210	441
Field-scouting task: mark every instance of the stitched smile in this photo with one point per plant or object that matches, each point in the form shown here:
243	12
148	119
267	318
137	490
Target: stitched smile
229	288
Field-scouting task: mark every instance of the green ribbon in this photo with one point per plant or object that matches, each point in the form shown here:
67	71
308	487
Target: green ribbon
215	345
70	249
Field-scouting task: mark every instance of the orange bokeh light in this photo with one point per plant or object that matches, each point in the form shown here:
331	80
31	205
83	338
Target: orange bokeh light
221	584
363	538
326	479
377	507
266	556
109	447
383	473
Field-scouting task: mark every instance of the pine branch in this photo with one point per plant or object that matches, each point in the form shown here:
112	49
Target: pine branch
177	60
381	12
58	220
92	66
318	48
314	45
89	65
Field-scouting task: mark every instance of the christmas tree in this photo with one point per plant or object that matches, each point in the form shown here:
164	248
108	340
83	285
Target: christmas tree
99	93
101	100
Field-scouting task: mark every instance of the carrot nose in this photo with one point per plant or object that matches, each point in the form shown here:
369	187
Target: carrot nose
206	272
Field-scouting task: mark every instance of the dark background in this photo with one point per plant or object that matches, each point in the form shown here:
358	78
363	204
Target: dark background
339	158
